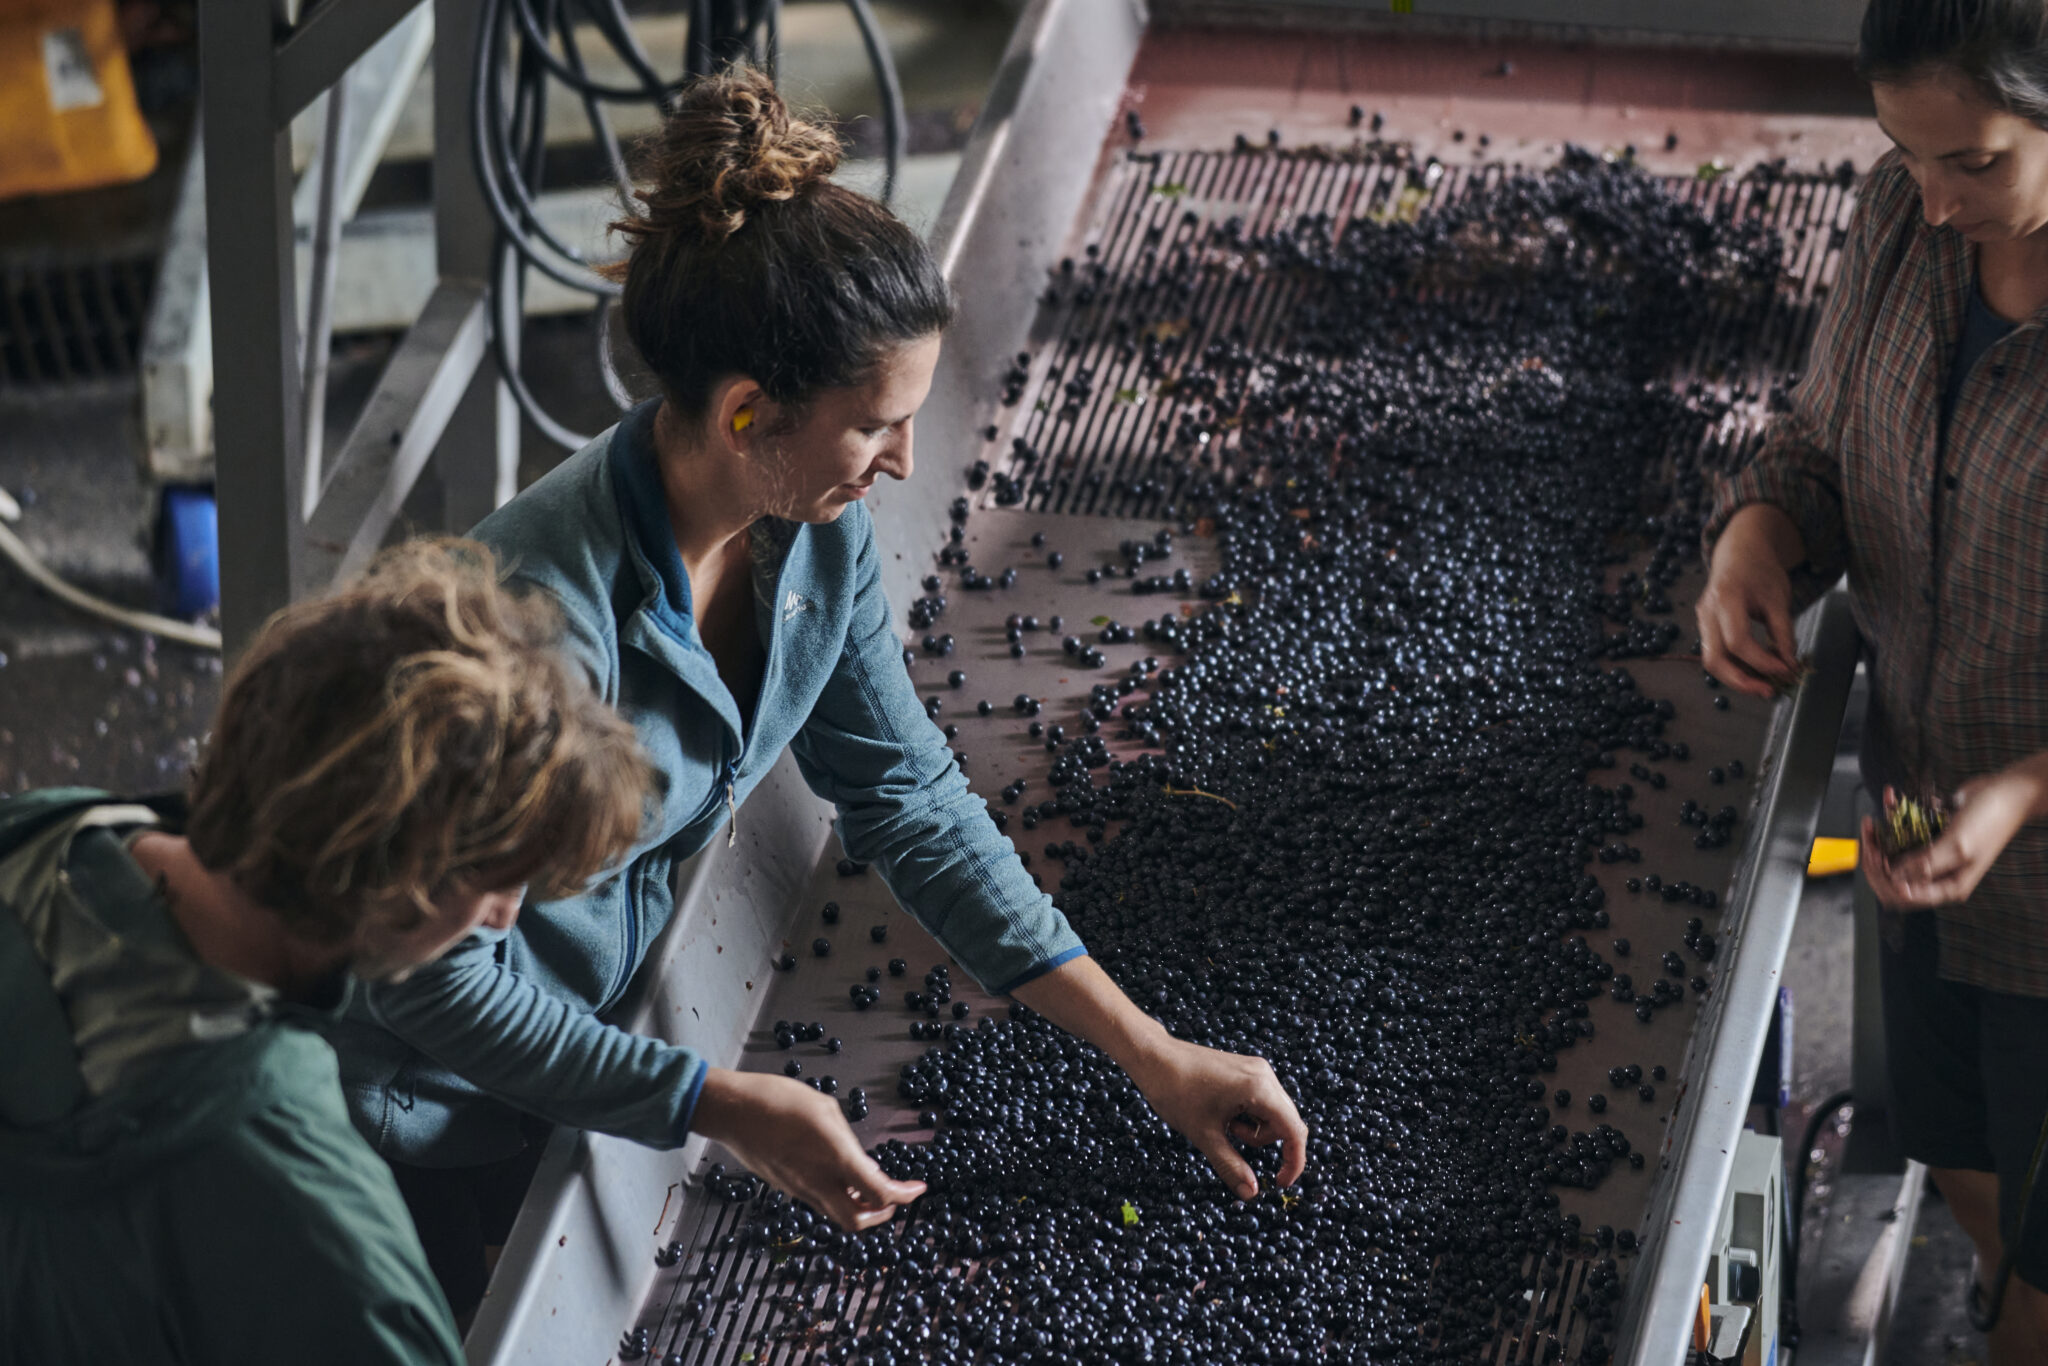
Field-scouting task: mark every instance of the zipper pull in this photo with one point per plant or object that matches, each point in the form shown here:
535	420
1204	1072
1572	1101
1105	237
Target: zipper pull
732	834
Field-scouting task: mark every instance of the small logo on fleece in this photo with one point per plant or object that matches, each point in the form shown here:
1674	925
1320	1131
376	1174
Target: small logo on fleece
793	604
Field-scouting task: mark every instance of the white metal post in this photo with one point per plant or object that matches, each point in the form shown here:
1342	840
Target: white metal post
257	418
477	461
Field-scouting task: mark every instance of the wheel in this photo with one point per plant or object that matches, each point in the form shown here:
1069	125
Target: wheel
188	551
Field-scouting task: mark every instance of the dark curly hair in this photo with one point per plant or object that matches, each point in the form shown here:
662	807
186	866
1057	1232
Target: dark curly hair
748	260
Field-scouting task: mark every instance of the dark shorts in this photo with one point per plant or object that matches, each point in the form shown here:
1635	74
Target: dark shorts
459	1211
1969	1081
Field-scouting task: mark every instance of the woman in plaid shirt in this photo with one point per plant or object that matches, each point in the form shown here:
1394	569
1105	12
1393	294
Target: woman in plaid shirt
1915	458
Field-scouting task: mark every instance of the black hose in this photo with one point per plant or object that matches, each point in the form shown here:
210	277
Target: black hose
528	122
612	20
521	160
562	71
600	122
486	133
895	122
607	370
516	142
730	38
1795	1201
508	311
760	35
697	44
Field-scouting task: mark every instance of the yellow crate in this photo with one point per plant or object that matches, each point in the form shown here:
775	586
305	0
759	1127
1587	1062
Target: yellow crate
68	118
1831	857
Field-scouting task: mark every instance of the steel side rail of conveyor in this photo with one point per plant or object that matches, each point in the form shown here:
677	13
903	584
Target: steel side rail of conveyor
1664	1288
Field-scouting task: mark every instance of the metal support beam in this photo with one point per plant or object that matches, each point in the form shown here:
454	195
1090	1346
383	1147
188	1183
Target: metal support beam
271	550
254	314
320	50
422	390
477	461
379	85
378	287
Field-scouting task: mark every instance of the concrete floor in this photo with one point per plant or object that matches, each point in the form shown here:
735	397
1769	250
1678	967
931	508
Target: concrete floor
85	703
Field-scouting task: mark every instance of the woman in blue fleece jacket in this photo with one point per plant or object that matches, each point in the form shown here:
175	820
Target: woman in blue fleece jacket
719	579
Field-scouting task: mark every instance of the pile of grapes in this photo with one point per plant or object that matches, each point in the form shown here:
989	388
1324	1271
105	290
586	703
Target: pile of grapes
1360	790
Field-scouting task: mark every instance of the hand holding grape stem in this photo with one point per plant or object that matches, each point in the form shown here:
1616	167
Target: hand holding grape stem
1212	1098
1750	584
796	1140
1984	815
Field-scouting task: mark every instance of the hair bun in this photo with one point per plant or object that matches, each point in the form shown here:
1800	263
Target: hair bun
729	146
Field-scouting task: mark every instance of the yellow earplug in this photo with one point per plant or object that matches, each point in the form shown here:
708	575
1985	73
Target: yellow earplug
743	419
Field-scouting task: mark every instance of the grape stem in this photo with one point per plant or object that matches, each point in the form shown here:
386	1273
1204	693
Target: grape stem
1197	792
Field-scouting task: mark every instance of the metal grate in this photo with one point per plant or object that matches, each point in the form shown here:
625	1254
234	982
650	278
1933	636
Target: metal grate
783	1309
1112	447
766	1310
70	323
1113	451
1557	1322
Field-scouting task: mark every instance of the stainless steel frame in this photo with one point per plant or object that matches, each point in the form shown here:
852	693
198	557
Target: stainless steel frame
177	355
1663	1289
257	80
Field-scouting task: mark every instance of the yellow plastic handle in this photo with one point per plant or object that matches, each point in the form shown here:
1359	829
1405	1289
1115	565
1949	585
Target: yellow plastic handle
1830	857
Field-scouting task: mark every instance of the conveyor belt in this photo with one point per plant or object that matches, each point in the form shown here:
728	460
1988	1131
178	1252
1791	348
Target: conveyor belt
1129	449
1048	174
754	1308
1110	453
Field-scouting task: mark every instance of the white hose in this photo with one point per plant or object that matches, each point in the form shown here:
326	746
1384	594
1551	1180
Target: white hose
169	628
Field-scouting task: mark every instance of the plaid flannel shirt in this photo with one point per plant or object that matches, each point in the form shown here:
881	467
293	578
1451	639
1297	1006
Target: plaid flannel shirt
1946	549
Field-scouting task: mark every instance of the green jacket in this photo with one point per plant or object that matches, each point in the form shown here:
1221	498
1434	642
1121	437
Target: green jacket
179	1180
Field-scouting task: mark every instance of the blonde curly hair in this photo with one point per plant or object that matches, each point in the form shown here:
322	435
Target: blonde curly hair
411	732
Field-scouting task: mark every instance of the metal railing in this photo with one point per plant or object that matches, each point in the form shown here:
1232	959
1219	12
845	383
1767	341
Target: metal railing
438	436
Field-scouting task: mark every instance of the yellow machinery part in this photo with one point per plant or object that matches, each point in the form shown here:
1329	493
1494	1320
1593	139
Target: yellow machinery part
68	117
1830	857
